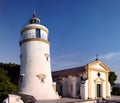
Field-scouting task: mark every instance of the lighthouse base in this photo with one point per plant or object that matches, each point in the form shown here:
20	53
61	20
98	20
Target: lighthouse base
42	94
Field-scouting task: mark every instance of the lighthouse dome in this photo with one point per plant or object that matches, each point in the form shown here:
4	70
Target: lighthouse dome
34	19
34	31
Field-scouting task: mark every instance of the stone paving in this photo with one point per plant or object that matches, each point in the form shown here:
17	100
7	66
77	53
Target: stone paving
113	99
65	100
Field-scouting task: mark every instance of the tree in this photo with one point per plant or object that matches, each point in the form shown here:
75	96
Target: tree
6	86
116	91
13	71
112	77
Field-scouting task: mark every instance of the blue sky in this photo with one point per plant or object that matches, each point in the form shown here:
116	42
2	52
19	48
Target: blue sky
79	29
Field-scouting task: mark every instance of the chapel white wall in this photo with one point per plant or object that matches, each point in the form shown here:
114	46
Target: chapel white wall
69	87
84	90
94	76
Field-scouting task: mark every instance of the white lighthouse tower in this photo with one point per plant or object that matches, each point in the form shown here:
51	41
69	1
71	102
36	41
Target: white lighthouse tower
35	71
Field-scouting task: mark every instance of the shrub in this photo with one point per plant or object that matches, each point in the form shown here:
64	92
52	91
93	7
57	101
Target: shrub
116	91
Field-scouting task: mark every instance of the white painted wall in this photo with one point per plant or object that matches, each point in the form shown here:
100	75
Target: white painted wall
66	87
44	35
69	86
84	90
35	68
94	76
74	79
78	81
109	89
28	34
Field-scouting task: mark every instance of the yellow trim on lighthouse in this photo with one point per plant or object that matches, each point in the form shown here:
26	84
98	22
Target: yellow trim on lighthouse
34	39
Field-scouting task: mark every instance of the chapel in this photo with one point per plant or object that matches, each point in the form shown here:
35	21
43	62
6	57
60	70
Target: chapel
86	82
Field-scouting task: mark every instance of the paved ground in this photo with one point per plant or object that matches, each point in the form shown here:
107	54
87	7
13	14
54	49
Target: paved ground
113	99
64	100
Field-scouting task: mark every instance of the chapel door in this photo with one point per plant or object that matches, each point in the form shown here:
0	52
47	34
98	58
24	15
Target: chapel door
99	90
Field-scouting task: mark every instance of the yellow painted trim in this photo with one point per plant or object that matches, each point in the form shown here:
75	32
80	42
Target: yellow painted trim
102	90
41	75
34	39
34	27
107	85
105	67
89	83
98	82
99	63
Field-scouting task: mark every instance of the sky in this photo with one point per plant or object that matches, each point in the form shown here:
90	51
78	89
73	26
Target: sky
78	30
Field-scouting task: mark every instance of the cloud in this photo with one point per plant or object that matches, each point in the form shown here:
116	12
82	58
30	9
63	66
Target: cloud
112	60
110	55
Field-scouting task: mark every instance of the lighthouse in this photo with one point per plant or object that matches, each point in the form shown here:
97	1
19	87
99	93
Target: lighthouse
35	70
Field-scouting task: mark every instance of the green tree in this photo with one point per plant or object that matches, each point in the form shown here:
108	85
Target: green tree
13	71
116	91
112	77
6	86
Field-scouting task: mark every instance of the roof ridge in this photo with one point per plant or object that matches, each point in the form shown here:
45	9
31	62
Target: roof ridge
70	68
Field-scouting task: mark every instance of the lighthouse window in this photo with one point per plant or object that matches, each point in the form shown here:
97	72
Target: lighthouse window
34	21
37	33
44	35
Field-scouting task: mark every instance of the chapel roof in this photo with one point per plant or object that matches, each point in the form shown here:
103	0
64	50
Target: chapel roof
71	71
81	69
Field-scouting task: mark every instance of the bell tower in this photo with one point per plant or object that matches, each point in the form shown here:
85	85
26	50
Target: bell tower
35	70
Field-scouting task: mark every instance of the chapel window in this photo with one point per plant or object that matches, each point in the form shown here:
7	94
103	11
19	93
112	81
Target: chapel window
98	74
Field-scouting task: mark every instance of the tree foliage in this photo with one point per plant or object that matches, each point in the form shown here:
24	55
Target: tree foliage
116	91
9	74
13	71
112	77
